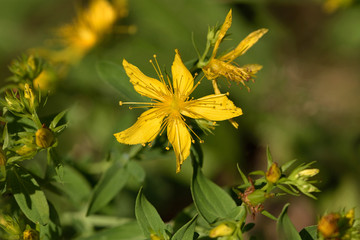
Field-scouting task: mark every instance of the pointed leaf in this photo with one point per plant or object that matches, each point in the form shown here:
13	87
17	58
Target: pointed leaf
28	195
148	218
285	227
57	119
186	232
110	184
211	201
309	233
269	158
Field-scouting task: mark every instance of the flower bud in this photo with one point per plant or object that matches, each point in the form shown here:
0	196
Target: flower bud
28	94
9	224
31	234
273	174
154	237
328	225
221	230
307	173
25	150
44	137
257	197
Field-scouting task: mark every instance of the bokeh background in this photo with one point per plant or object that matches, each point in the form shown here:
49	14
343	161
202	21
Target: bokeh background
304	103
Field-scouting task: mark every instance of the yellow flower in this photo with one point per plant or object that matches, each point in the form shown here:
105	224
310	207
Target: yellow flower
85	32
45	81
44	137
222	66
170	103
221	230
331	6
328	225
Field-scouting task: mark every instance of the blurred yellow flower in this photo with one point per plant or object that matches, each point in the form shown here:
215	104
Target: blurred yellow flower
169	104
331	6
88	28
222	66
45	81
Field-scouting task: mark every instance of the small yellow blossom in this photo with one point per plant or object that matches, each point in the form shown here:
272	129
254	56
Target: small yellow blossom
168	106
31	234
45	81
88	28
29	94
328	225
221	230
223	66
331	6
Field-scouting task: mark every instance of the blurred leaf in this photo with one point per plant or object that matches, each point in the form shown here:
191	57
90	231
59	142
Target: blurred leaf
286	165
309	233
128	231
110	184
6	137
30	198
211	201
269	158
148	218
57	118
247	227
2	174
285	227
55	164
269	215
136	171
115	75
52	230
243	177
238	214
186	232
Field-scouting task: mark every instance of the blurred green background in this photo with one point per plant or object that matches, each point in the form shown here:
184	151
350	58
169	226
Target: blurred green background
304	103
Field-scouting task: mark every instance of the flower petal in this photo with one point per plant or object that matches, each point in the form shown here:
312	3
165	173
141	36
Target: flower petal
146	128
212	107
180	139
183	81
222	32
145	85
244	45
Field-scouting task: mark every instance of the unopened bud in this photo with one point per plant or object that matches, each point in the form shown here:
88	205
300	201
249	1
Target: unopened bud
273	174
44	137
154	237
31	234
221	230
328	225
257	197
308	173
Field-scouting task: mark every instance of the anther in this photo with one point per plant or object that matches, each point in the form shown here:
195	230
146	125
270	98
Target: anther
167	148
193	141
120	103
201	141
143	144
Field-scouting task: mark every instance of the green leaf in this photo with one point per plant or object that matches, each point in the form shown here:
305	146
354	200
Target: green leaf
136	171
196	154
211	201
309	233
269	158
115	75
110	184
57	119
6	137
269	215
28	195
55	163
148	218
52	230
285	227
285	166
128	231
238	214
186	232
243	177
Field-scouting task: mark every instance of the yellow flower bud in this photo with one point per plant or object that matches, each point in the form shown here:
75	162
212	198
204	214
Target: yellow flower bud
308	173
328	225
31	234
154	237
273	174
44	137
221	230
24	150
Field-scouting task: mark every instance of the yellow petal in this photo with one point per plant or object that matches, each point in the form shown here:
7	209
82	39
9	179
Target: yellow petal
212	107
146	128
145	85
226	25
180	139
244	45
183	81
